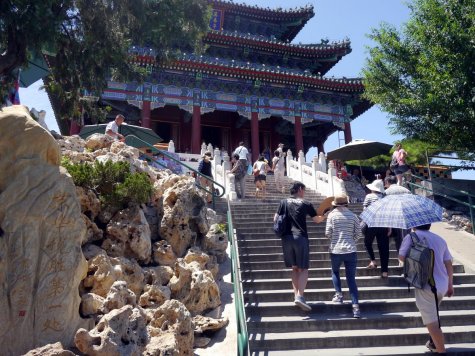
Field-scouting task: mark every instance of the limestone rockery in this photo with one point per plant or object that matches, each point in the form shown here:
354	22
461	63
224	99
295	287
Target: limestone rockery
83	276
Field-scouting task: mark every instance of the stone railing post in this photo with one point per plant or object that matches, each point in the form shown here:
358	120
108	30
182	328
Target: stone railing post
231	187
331	175
203	148
315	169
171	146
289	168
210	147
322	160
226	169
301	161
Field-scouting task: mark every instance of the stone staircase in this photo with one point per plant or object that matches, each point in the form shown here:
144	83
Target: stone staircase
390	323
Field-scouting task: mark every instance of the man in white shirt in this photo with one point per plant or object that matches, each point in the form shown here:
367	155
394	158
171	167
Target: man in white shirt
243	154
112	128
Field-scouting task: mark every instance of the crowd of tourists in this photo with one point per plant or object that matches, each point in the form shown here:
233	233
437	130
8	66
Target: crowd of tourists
344	229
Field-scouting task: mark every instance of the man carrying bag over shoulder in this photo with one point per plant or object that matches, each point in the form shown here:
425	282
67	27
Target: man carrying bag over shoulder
292	215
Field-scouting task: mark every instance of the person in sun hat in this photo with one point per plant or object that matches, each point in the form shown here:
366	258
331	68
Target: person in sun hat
378	233
343	229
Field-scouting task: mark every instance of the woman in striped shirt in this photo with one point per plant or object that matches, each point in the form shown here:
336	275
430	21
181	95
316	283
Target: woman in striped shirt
343	229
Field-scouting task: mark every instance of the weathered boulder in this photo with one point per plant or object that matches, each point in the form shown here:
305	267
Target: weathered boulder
78	157
91	304
119	295
215	242
205	323
159	275
97	141
171	331
90	204
212	217
41	263
128	234
163	253
154	296
72	143
151	214
121	149
184	212
103	271
55	349
121	332
194	287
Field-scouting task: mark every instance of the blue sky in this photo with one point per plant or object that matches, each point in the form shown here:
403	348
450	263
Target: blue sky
335	20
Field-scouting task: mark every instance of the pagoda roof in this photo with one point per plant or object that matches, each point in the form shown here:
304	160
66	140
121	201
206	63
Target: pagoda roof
290	16
348	85
322	50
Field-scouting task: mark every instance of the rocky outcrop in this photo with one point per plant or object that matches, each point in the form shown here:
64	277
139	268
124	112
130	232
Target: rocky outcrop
215	242
55	349
184	212
204	323
121	332
195	286
119	295
154	296
41	263
171	331
90	204
163	253
128	234
97	141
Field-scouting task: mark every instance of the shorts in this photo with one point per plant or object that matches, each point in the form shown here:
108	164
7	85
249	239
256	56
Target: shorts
259	178
402	169
296	251
425	302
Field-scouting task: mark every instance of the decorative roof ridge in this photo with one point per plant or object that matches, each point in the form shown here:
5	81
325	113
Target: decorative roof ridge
304	10
326	82
325	45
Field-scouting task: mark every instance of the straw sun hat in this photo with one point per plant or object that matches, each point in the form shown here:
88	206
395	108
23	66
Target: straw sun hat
340	200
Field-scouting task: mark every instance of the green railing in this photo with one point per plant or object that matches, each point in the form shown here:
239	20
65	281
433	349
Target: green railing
135	141
413	184
242	336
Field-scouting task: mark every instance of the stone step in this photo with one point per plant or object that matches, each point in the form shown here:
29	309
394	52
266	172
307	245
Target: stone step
277	257
246	242
262	341
252	266
325	271
459	349
315	246
326	294
329	322
252	282
401	305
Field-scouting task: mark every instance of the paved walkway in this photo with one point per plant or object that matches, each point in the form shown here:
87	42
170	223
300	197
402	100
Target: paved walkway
461	244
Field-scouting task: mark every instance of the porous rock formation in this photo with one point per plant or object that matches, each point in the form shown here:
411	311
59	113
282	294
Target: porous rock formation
41	263
149	268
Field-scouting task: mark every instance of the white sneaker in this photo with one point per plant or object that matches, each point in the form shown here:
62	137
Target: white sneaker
338	298
302	304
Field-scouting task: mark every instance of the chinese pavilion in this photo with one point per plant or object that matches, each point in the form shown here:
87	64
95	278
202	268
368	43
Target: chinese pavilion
251	84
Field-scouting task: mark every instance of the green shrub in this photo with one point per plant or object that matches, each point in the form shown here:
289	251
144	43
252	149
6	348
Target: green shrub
112	181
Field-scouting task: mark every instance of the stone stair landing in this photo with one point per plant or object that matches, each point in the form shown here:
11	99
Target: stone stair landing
390	323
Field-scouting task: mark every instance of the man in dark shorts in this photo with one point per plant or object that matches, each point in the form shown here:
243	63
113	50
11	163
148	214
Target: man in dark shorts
295	242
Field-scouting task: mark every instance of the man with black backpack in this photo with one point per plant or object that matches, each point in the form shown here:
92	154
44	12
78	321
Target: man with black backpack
428	267
293	212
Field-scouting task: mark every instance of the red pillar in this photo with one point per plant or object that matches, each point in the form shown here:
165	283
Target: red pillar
74	128
255	136
348	137
145	114
196	130
298	134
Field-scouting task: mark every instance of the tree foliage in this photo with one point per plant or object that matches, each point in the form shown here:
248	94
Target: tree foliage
90	39
424	76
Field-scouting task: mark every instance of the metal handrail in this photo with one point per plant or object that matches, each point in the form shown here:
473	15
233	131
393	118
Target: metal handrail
213	193
470	197
242	335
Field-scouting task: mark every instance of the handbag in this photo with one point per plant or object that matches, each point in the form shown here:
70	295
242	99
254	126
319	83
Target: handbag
256	172
282	223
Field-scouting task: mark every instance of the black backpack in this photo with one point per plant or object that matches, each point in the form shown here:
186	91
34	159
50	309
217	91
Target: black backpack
283	224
